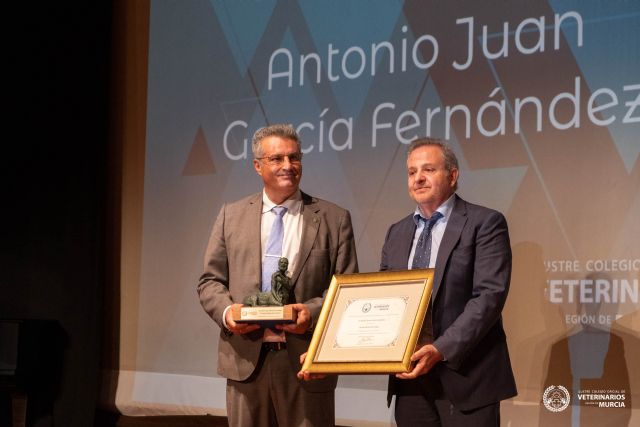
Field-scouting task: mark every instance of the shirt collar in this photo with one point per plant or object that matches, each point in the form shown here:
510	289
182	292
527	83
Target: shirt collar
293	203
445	209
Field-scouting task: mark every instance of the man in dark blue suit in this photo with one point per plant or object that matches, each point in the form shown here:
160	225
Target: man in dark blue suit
462	369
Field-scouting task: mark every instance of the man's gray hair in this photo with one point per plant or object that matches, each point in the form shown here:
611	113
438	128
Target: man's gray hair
281	130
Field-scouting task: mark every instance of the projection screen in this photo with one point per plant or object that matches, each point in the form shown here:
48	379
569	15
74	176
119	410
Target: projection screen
540	101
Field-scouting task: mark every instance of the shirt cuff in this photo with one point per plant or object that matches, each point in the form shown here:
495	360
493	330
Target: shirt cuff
224	317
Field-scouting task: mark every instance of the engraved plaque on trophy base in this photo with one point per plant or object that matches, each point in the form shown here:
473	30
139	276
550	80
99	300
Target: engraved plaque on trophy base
264	315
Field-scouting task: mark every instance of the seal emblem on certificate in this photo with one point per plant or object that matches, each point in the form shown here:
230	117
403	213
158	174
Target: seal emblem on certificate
370	322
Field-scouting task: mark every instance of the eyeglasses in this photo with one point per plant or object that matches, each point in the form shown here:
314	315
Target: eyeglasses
278	159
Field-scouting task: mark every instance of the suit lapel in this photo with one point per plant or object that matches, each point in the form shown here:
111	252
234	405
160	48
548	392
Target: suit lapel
310	225
253	218
450	238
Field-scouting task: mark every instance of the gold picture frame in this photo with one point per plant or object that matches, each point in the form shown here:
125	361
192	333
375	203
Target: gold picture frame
370	323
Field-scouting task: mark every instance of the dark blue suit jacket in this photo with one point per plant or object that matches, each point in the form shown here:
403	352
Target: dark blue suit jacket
471	281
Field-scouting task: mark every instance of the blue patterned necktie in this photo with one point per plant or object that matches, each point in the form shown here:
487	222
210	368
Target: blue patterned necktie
273	251
422	254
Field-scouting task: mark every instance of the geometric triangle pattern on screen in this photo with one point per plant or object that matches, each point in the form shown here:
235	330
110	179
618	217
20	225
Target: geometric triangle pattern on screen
199	161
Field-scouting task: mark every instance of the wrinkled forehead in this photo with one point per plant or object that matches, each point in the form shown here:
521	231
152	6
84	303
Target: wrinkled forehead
426	155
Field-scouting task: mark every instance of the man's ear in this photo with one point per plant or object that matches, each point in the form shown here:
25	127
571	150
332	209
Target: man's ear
257	166
454	177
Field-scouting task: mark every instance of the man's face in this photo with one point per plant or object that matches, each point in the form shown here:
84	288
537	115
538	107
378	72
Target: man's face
430	184
281	178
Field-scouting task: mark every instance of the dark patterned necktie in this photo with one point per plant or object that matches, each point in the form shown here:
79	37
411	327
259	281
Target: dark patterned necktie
422	254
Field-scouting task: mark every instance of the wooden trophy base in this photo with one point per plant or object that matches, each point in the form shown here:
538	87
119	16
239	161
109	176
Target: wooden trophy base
264	315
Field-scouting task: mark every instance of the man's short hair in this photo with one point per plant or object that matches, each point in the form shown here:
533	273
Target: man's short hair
281	130
450	159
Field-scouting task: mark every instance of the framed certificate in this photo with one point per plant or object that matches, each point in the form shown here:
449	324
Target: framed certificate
370	323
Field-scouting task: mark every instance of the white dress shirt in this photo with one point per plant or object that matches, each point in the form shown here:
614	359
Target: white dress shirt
292	220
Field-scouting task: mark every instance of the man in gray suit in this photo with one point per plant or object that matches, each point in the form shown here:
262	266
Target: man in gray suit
462	369
317	238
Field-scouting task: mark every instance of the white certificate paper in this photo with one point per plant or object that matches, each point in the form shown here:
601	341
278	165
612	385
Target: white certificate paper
371	322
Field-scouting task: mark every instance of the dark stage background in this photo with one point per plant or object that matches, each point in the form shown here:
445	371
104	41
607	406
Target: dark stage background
55	176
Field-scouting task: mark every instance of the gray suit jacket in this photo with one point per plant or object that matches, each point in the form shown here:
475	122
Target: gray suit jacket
233	271
471	282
